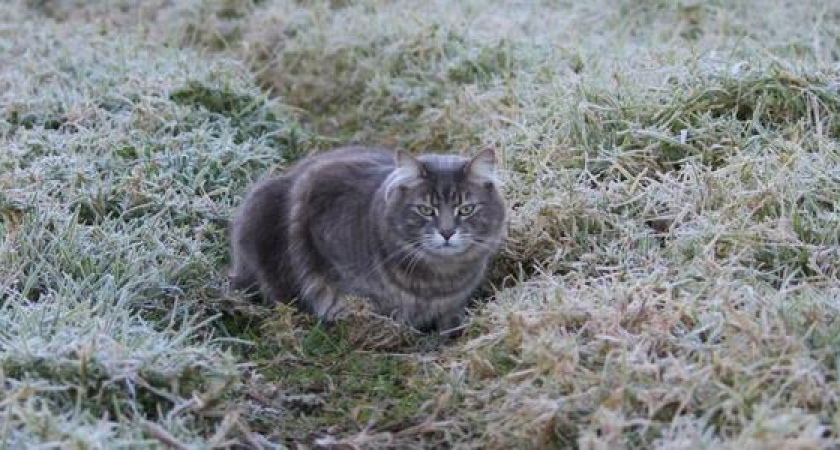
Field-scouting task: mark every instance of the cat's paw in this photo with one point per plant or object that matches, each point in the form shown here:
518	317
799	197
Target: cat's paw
329	310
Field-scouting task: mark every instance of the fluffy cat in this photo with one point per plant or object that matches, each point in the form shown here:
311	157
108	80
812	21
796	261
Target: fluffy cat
414	235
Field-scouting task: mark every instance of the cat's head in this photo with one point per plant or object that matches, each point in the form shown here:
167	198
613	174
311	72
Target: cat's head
445	206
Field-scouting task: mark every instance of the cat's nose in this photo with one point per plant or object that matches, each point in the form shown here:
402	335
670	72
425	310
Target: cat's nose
447	234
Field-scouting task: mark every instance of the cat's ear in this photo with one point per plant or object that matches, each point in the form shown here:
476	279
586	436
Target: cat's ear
408	165
483	165
409	171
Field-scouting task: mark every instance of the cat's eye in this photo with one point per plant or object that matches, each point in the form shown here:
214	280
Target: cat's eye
466	210
425	210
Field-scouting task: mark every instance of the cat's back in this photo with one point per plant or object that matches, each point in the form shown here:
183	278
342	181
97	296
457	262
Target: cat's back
343	171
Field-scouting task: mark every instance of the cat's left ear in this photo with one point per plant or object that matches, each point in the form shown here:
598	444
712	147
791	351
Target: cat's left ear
409	165
483	165
408	171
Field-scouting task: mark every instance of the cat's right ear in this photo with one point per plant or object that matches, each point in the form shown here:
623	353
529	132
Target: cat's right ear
409	165
482	168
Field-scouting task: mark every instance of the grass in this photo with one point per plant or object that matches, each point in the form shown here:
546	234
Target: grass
670	279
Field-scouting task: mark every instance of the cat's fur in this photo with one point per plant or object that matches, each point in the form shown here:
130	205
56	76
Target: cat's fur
358	221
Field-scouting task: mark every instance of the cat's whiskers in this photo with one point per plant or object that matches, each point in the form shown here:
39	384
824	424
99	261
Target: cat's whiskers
413	257
478	242
412	263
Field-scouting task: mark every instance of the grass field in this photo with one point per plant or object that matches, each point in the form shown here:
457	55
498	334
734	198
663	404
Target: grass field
671	277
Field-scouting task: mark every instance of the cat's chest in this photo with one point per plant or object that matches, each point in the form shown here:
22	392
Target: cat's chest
415	307
425	287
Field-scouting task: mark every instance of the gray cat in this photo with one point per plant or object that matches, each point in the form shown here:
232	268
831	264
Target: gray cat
412	234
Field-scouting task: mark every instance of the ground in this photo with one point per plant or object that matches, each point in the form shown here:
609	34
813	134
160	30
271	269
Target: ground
670	280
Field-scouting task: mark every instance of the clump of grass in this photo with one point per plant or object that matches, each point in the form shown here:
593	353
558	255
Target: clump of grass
250	117
109	14
705	119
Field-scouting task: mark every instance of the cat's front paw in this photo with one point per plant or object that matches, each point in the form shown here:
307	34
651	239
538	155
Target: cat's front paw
327	306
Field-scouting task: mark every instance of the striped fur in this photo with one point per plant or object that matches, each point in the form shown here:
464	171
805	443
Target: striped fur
413	235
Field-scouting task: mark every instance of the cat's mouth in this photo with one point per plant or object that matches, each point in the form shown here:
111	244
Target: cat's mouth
447	249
